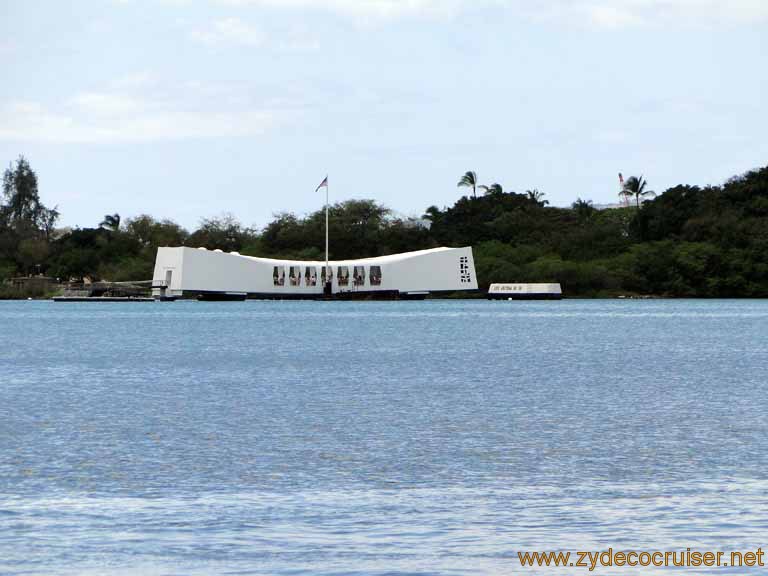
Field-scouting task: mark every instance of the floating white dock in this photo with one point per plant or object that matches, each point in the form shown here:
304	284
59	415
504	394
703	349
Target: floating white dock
525	292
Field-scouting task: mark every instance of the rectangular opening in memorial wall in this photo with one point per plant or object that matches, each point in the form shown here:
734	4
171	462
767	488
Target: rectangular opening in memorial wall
343	275
375	277
310	276
358	275
294	275
278	275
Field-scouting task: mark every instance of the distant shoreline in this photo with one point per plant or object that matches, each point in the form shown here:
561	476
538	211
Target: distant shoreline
457	297
687	242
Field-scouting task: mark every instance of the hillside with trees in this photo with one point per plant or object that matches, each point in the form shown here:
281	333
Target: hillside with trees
685	242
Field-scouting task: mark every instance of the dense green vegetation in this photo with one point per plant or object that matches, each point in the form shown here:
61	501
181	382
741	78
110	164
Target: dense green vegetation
688	241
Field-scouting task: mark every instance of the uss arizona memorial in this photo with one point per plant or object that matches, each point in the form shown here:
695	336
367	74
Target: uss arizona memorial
213	274
217	275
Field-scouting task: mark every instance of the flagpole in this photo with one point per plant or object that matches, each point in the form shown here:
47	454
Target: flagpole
327	270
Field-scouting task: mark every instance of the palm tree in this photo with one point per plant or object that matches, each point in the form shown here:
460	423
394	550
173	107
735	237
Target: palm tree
583	209
635	186
492	190
111	222
537	197
469	180
432	214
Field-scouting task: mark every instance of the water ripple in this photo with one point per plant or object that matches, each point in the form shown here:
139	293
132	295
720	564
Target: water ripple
377	438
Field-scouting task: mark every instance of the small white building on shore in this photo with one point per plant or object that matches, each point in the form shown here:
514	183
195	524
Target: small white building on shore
213	274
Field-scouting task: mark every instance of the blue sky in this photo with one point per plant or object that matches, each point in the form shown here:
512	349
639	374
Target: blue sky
189	109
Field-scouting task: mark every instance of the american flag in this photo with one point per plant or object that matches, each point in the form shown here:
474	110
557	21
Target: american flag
621	179
323	184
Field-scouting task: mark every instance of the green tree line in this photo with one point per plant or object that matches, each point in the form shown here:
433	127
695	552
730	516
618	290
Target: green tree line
686	241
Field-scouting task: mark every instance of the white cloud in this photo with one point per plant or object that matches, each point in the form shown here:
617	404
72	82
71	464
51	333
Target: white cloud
229	30
599	12
612	16
109	117
627	12
106	104
234	31
136	80
367	8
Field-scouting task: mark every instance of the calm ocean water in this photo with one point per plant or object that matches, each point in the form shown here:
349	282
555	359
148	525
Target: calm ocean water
436	437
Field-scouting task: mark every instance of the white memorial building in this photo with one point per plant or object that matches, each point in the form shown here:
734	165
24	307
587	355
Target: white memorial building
216	275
